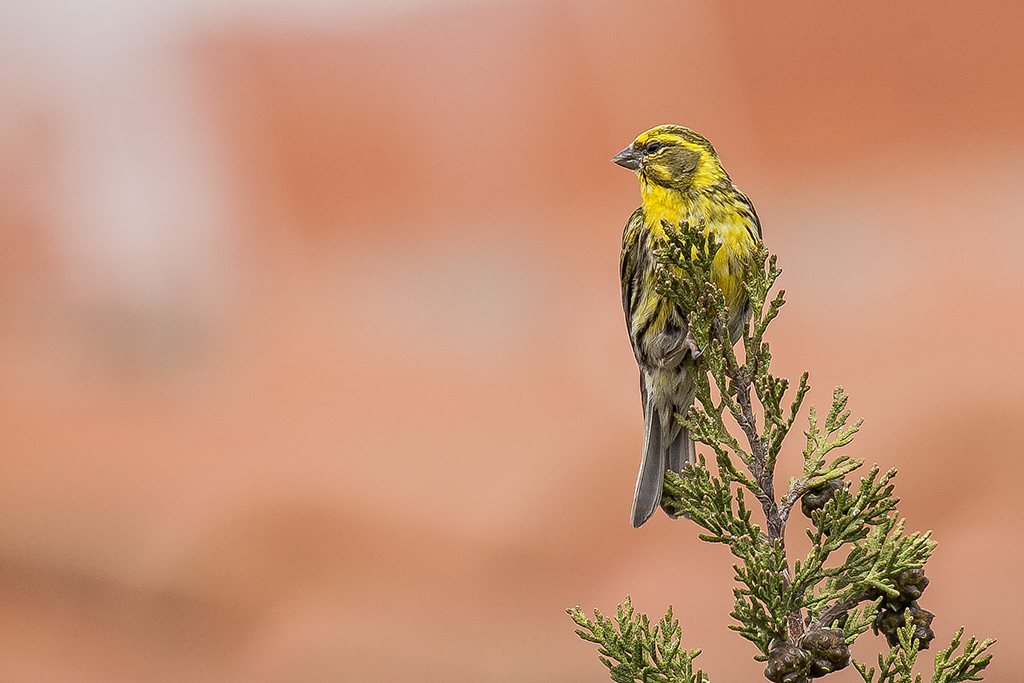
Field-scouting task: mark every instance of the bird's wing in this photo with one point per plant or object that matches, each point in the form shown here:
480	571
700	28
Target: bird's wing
754	223
628	265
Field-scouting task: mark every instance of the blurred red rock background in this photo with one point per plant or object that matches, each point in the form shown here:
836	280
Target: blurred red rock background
312	366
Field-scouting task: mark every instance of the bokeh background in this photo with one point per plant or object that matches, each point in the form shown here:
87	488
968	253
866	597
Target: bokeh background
312	365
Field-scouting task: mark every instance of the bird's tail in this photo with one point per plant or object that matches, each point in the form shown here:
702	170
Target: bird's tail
660	454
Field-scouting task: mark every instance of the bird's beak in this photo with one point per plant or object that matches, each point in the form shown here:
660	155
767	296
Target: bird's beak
627	159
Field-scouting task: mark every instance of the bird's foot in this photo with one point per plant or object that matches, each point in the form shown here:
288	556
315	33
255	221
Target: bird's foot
691	343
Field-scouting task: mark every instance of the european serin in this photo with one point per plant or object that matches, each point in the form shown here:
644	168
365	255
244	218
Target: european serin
681	179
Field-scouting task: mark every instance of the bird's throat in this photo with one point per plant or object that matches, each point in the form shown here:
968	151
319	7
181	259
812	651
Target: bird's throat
663	203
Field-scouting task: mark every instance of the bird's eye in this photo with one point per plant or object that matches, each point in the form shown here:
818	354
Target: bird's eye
653	147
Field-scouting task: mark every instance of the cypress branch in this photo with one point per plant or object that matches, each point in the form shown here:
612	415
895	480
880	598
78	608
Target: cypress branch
801	618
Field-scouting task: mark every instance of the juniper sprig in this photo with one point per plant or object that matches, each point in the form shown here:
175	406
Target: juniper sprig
634	650
863	570
896	665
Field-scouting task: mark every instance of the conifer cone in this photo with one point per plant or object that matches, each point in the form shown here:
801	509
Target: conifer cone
889	621
922	619
816	498
787	663
911	584
828	650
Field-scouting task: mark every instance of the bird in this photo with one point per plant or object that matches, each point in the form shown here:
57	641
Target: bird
681	180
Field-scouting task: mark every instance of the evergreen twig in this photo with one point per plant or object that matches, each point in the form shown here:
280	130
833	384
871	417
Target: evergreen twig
800	616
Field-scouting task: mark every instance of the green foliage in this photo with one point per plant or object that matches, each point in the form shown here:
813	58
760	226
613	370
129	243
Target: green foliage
879	550
863	568
897	665
968	665
633	650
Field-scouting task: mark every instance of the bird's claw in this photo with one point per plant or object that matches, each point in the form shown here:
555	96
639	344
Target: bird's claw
691	343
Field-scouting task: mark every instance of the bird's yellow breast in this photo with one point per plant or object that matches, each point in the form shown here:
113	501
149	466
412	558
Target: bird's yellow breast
721	218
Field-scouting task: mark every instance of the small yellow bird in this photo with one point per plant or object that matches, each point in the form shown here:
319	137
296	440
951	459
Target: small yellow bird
681	179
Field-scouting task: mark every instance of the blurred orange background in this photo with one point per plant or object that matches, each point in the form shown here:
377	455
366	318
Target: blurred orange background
312	362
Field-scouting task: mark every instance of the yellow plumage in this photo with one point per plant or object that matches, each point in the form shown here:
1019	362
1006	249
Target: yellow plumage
681	179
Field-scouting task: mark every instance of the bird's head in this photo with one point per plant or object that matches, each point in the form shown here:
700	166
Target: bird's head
673	157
